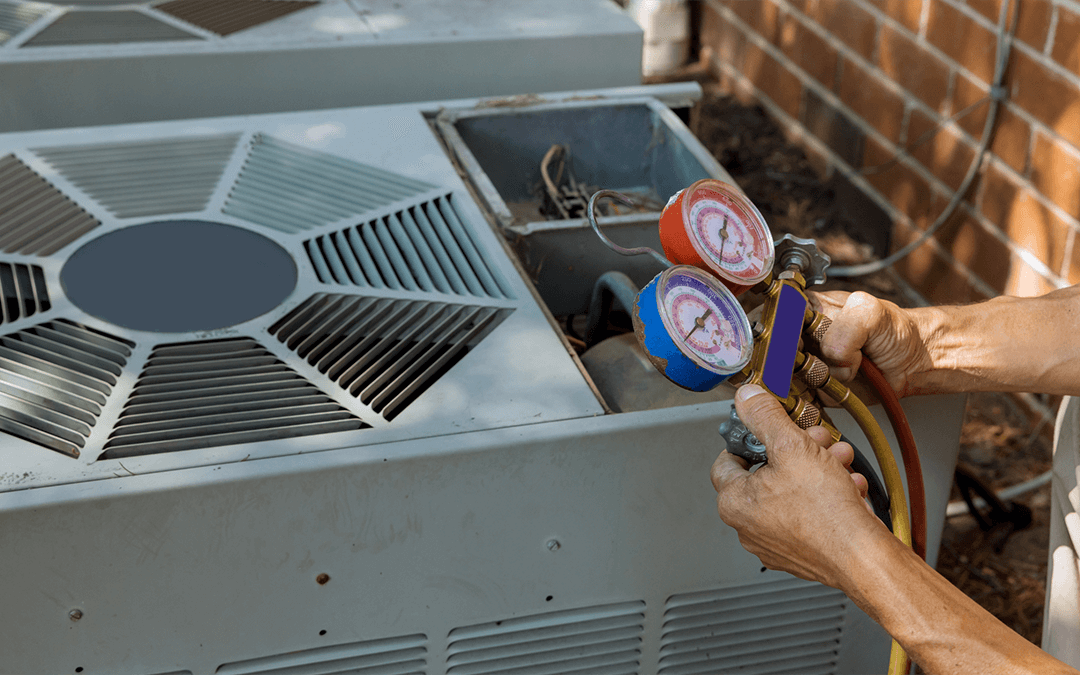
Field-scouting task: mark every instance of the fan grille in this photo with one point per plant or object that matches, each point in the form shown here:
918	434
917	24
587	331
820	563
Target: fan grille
22	291
14	18
147	178
35	217
424	247
226	17
220	392
112	27
759	629
385	352
54	380
291	189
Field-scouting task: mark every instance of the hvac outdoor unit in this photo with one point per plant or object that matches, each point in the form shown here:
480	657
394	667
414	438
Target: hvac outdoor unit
276	398
90	62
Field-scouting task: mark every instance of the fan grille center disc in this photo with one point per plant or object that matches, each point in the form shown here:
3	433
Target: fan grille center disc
179	276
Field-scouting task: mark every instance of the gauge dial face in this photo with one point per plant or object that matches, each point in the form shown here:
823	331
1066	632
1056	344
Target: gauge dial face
704	319
728	231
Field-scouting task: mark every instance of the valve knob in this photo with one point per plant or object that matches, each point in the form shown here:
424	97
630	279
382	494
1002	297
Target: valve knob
740	441
804	253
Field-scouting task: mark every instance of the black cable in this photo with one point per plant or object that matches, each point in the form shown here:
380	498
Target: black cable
570	326
611	285
879	498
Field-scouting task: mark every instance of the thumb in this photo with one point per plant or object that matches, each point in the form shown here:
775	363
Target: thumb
766	418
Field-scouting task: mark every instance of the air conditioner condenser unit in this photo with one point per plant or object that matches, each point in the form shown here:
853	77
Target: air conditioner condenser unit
277	396
92	62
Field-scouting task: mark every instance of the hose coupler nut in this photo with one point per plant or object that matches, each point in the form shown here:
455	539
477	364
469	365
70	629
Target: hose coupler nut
814	372
819	326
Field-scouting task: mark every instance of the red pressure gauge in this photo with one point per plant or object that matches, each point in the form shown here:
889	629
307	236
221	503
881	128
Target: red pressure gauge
713	226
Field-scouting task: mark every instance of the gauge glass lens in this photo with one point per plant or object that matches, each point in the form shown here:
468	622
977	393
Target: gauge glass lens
729	231
705	320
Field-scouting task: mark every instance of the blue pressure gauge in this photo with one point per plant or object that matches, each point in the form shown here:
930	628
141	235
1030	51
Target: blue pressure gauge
692	328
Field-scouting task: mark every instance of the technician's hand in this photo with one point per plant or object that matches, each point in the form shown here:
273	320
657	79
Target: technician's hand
802	512
889	335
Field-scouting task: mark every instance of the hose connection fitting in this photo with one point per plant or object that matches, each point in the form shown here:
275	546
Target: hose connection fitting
818	326
805	414
814	372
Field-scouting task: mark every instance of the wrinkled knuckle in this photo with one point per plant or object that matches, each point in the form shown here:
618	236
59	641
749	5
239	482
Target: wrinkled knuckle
861	299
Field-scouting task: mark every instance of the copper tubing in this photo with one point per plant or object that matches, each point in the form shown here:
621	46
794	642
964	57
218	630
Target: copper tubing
908	452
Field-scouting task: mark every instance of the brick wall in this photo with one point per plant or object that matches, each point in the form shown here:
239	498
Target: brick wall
857	81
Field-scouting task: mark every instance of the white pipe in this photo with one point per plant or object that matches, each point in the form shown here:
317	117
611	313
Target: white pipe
961	507
666	24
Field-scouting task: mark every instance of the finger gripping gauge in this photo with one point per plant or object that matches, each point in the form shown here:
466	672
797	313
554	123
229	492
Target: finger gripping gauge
741	441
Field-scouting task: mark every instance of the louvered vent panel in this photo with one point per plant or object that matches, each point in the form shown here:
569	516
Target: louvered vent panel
14	18
292	189
425	247
35	217
603	640
22	291
54	380
107	27
394	656
220	392
226	17
385	352
146	178
788	626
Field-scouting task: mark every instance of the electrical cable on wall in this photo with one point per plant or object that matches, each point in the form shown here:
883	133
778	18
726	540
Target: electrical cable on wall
997	94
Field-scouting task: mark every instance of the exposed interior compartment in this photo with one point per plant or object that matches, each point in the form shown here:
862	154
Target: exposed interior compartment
535	167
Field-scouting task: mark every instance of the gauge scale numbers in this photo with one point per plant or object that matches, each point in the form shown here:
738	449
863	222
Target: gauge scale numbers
722	230
706	323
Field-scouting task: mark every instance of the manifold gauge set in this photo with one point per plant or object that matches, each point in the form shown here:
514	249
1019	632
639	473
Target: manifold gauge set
692	327
688	319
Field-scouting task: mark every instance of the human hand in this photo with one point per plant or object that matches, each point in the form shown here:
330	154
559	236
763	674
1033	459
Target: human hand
887	334
802	512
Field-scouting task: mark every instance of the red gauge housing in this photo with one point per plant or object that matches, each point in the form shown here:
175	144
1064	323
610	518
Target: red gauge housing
713	226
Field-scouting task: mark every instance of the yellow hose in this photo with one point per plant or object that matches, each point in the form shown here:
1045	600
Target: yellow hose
894	486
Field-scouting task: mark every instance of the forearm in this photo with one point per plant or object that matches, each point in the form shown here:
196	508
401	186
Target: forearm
1004	344
941	629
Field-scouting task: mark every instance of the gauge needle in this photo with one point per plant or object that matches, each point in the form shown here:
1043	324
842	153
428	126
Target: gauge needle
723	238
698	323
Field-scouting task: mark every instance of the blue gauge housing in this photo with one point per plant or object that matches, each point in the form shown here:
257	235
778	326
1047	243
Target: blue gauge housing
662	349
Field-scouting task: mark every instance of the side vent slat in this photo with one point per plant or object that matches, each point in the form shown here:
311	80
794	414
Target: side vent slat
454	248
385	352
226	17
51	392
220	392
758	629
297	402
435	333
291	189
414	263
147	178
22	292
16	17
425	247
427	253
603	639
35	217
167	406
407	386
395	656
109	27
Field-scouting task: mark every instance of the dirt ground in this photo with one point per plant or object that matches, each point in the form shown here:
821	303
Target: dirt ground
997	443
